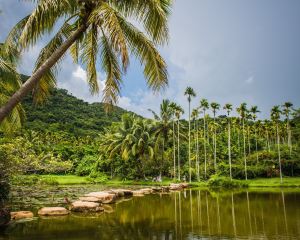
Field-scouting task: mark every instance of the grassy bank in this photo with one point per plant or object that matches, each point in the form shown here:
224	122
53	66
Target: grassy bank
73	179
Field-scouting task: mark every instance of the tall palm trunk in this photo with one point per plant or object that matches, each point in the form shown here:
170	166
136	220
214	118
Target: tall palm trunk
29	85
289	133
190	170
178	149
204	128
215	143
196	146
256	149
268	141
197	153
249	144
229	149
244	141
174	150
278	149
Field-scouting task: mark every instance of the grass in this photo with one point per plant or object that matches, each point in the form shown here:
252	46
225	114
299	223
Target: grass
274	182
253	183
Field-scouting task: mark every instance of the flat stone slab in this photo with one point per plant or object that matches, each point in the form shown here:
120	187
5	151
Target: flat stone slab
81	206
21	215
121	192
146	190
178	186
104	197
138	193
90	199
53	211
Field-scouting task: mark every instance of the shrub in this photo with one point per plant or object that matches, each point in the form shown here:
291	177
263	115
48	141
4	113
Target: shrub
86	165
97	177
225	183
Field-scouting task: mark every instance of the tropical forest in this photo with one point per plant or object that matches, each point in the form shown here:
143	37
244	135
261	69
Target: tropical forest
149	119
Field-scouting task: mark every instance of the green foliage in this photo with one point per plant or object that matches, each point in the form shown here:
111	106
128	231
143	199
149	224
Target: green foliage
64	112
86	165
225	183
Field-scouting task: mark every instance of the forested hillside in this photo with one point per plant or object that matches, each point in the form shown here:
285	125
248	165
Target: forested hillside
64	112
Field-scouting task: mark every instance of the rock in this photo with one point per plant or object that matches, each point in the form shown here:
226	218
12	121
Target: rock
178	186
53	211
138	193
122	192
4	217
146	190
165	188
156	189
21	215
90	199
81	206
104	197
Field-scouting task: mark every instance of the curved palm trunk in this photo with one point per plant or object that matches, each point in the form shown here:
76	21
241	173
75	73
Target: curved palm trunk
29	85
174	149
178	149
244	141
204	128
190	170
278	149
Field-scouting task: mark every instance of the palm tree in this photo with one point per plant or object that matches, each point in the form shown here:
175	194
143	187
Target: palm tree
228	108
93	30
195	115
173	109
189	92
275	116
242	110
254	110
163	125
10	82
178	112
215	106
204	106
287	110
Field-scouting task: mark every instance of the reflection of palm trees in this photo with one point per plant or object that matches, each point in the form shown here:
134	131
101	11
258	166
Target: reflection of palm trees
219	218
191	206
175	197
199	210
180	225
284	212
233	215
249	214
207	211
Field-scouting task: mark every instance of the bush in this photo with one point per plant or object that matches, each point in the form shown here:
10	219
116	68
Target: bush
225	183
86	165
97	177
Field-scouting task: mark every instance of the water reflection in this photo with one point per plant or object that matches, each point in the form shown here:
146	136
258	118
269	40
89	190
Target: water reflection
191	214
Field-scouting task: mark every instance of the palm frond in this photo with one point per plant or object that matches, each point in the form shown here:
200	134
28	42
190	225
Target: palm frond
110	65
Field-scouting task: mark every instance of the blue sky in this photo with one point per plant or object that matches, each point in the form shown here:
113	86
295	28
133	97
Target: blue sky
228	51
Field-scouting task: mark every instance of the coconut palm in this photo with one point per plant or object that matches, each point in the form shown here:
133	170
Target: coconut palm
173	109
287	106
215	106
163	125
195	115
178	112
275	116
242	110
10	82
94	31
189	92
204	105
228	109
254	110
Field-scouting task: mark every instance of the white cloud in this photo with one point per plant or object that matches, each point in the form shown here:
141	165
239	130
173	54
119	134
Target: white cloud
249	80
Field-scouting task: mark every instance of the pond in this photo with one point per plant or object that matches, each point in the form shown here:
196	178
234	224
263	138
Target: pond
190	214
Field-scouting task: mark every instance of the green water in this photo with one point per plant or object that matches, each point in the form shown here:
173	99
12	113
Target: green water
191	214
